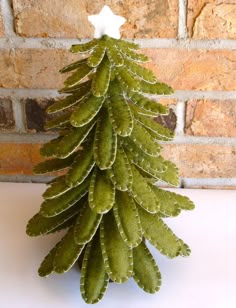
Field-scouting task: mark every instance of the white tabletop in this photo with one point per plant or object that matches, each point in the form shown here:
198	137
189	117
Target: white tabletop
205	279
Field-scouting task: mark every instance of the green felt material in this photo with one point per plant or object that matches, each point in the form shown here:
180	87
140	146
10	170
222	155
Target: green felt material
101	79
53	207
47	266
101	192
144	140
94	279
53	165
170	175
119	113
159	235
117	256
82	87
105	143
114	55
148	104
86	111
58	121
127	80
156	88
83	71
67	253
81	48
133	56
140	71
127	219
97	55
125	44
120	172
39	224
142	193
57	188
81	167
146	272
73	66
86	224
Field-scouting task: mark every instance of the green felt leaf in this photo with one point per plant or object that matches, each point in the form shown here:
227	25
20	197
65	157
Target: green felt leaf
149	164
146	272
47	267
131	55
86	224
69	101
67	224
56	189
81	167
127	80
70	142
52	165
49	149
170	175
159	234
147	104
168	205
140	71
53	207
127	219
39	224
105	143
83	71
117	256
184	251
120	172
86	111
120	114
183	202
101	192
81	48
73	66
142	192
144	140
58	121
97	55
114	55
101	79
77	89
67	253
155	129
94	279
156	88
125	44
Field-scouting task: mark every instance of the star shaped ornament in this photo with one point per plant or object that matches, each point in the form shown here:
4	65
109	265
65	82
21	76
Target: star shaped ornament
106	23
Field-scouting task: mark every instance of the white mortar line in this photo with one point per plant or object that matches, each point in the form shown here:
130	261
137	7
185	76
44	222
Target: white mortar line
180	113
19	116
57	43
226	141
26	138
8	20
208	182
25	178
182	27
179	94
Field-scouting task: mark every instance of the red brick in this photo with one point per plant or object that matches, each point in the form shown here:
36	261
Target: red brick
210	19
202	160
211	118
70	18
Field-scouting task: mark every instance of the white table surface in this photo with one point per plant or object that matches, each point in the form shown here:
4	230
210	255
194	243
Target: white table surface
206	279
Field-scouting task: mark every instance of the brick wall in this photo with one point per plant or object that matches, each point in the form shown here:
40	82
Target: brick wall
192	46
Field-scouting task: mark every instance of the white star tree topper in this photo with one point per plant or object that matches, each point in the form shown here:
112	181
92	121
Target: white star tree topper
106	23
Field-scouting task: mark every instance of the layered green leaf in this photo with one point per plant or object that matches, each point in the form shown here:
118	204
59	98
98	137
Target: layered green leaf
73	66
101	192
47	266
97	55
101	79
78	76
141	72
53	165
127	79
57	188
94	279
117	255
156	88
127	219
81	48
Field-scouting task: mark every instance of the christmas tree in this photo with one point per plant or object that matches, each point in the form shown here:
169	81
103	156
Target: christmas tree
109	148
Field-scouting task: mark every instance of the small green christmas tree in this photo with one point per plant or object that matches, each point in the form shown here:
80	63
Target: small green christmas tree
107	199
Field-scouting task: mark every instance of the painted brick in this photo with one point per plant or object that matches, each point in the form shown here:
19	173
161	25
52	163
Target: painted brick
210	19
56	18
7	122
35	111
211	118
203	161
18	158
187	69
